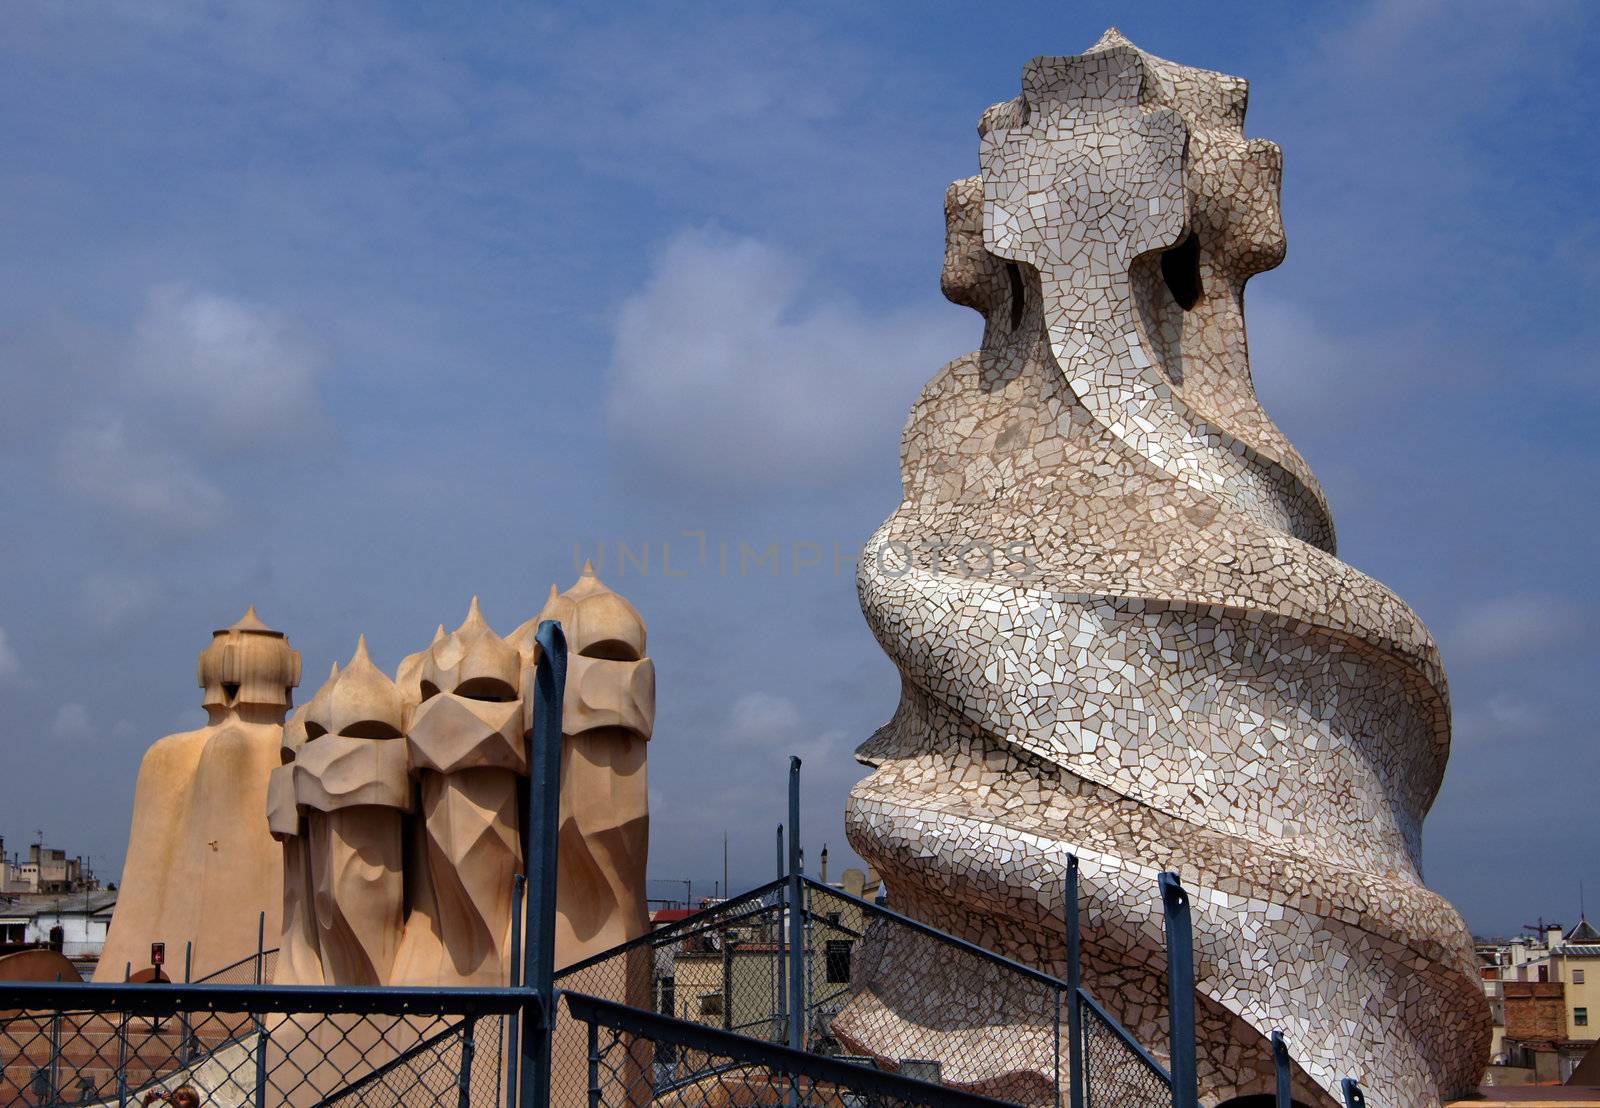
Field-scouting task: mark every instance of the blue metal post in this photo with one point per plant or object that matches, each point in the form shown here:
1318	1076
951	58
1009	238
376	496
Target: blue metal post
539	854
469	1050
55	1055
122	1060
594	1065
797	957
1280	1063
261	1024
261	1064
1352	1094
513	1040
780	1010
1180	990
185	1048
1074	1010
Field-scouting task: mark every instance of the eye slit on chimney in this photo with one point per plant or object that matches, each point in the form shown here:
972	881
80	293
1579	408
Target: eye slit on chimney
429	690
486	688
315	730
615	650
371	729
1180	268
230	689
1018	293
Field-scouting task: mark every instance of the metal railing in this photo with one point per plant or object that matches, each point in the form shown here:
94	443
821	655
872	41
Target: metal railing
113	1044
794	992
817	969
710	1066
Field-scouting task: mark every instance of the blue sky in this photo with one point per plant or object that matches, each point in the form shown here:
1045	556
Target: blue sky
354	311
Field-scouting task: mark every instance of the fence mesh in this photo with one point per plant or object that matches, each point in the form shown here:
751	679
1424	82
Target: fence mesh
720	968
637	1063
874	987
876	991
885	989
243	972
255	1058
1116	1074
461	1064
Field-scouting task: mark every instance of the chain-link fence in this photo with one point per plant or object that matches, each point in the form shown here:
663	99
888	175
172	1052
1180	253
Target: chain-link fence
874	986
794	992
793	963
635	1058
253	969
1117	1071
723	967
892	989
254	1046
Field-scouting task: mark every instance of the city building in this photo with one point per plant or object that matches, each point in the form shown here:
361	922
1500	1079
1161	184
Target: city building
735	977
47	870
1544	994
72	924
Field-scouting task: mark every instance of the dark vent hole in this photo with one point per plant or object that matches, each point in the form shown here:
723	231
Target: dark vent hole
1018	294
486	688
1180	268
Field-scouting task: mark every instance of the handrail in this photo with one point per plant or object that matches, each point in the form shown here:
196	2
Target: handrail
943	936
392	1064
717	1042
1124	1035
669	932
246	960
664	936
152	999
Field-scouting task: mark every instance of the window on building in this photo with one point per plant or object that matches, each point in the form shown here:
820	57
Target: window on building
711	1004
667	1005
838	958
1580	1017
1577	977
1544	973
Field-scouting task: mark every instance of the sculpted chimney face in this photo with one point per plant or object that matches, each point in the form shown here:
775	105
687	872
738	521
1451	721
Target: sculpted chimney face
470	711
248	672
399	802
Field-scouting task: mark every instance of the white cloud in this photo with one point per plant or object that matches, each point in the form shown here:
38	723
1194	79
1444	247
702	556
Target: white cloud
768	722
241	369
723	373
10	665
758	717
72	723
98	460
108	599
1503	718
1308	372
1508	627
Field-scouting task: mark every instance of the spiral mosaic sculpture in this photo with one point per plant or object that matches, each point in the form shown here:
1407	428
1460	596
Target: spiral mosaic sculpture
1113	596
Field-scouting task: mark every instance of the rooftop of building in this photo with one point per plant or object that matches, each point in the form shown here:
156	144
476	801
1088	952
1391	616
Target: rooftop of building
15	905
1583	932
